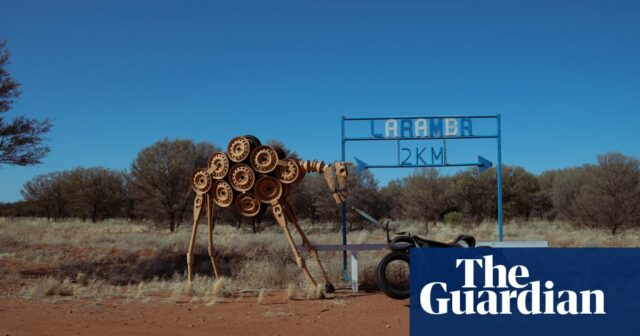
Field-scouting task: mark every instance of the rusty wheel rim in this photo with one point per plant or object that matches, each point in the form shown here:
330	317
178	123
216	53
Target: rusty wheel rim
222	194
241	177
247	205
239	149
264	159
201	181
268	189
289	173
218	165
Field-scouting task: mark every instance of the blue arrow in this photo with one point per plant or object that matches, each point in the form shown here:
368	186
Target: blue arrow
361	165
483	164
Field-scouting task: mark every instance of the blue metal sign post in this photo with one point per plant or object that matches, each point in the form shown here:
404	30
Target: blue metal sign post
424	128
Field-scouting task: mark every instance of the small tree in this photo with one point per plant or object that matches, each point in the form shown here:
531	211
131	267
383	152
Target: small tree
21	139
471	193
543	207
362	193
304	197
566	186
425	195
96	193
391	199
161	178
48	193
611	193
519	192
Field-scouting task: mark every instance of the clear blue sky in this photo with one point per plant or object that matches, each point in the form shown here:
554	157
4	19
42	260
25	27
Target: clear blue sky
118	75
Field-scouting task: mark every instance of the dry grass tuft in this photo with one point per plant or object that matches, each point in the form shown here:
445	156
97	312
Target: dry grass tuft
180	289
290	293
262	296
218	287
50	286
82	279
276	314
217	290
314	293
141	290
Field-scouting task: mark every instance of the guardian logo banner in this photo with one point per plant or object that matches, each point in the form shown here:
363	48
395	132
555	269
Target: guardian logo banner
528	291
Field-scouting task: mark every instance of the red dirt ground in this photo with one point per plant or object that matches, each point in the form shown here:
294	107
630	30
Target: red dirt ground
345	314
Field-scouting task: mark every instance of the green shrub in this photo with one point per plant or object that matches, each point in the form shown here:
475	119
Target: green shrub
453	217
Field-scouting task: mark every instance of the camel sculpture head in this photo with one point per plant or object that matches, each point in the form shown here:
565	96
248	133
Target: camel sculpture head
336	176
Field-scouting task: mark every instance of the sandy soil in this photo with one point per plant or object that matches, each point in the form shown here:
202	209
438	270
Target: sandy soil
344	314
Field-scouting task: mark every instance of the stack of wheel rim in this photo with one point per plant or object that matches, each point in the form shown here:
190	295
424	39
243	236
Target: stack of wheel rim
249	176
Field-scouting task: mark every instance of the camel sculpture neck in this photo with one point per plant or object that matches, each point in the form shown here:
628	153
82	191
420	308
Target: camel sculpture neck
330	176
313	166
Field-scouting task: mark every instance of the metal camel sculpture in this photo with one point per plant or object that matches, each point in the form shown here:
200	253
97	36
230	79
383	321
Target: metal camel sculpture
250	177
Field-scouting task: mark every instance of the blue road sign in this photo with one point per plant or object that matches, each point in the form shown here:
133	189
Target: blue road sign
426	128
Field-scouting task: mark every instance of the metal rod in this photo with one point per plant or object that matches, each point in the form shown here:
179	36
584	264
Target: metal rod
426	166
423	117
425	138
499	177
343	212
444	151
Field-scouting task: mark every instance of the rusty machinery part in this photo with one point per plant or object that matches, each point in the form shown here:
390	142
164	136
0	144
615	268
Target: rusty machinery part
222	193
264	159
255	142
198	201
218	165
268	189
286	190
312	166
280	151
240	147
201	181
247	205
234	183
241	177
291	172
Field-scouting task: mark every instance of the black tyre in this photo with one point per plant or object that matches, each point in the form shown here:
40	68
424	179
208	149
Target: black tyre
392	275
402	243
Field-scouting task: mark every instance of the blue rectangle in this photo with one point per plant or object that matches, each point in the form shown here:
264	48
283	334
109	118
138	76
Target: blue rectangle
607	279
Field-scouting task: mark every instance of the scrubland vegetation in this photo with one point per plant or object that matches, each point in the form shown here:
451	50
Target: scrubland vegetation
157	188
100	233
140	261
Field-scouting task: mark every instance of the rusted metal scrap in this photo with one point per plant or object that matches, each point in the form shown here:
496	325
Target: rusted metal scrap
249	178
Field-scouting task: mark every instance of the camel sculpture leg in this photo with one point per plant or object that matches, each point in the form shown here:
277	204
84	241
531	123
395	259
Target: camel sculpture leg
280	217
197	212
305	241
211	225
